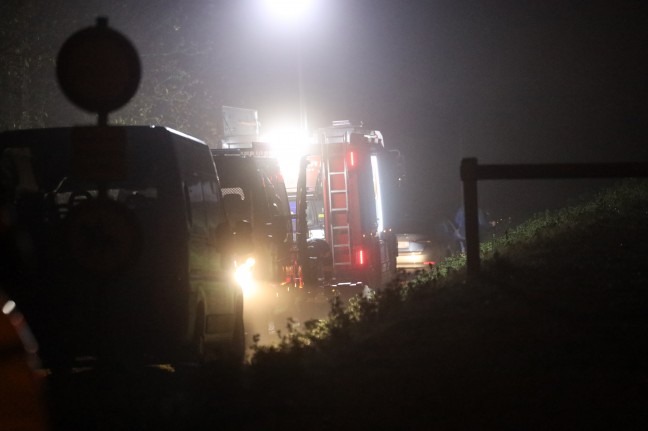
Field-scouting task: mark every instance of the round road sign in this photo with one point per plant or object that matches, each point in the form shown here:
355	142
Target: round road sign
98	69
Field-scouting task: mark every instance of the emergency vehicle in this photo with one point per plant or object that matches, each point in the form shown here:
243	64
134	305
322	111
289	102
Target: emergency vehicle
346	178
341	196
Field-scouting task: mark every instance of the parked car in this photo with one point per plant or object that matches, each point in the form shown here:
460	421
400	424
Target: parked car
416	251
424	250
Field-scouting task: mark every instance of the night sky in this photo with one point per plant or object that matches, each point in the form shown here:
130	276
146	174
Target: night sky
503	81
510	82
506	82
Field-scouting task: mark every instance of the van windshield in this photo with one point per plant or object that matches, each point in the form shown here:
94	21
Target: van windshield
72	218
40	177
253	190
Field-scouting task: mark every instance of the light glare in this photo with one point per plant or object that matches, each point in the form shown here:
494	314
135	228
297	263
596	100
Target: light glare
244	277
289	144
288	10
8	307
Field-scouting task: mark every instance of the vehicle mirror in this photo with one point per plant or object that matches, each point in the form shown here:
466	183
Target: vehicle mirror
279	223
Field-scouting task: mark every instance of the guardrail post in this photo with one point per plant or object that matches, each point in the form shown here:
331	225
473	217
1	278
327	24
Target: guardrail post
471	172
469	178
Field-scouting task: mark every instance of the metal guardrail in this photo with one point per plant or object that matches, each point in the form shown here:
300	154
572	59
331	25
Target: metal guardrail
471	172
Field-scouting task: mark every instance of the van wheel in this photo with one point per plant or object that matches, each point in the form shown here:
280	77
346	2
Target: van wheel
235	354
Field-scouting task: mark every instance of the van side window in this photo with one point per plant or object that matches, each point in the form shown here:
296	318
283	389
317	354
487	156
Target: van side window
204	212
198	221
283	202
272	200
214	212
237	204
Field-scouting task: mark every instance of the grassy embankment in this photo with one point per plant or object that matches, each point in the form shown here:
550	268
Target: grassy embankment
553	335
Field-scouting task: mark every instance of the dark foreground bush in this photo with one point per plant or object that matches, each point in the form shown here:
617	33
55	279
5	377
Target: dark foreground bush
551	336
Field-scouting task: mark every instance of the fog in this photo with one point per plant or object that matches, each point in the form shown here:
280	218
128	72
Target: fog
508	82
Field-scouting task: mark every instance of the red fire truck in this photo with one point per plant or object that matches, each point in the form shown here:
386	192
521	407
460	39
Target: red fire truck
346	178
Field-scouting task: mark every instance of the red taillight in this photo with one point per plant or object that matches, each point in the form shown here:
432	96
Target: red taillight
360	257
351	159
429	263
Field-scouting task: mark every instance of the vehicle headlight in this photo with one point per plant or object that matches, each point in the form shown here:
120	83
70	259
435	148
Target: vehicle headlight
244	277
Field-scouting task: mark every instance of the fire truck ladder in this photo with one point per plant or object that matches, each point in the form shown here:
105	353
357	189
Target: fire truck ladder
338	197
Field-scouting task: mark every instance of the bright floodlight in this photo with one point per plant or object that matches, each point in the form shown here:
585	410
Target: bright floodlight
288	10
288	145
